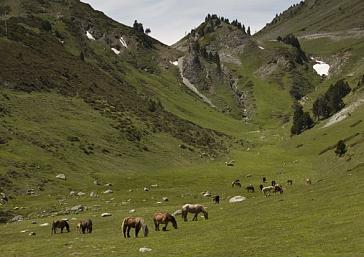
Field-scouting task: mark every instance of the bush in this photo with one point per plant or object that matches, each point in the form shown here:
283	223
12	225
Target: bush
46	25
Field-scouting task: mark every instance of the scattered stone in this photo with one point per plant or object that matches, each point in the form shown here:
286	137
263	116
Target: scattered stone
78	208
34	222
132	211
108	185
16	208
237	199
93	195
24	231
72	193
106	214
146	189
61	176
109	191
249	175
96	183
44	225
32	234
165	199
230	163
17	218
207	194
145	249
159	202
155	185
130	190
65	219
81	193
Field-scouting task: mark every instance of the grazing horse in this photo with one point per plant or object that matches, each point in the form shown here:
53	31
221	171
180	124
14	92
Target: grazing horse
216	199
134	222
84	226
250	188
164	218
278	188
193	208
290	182
236	183
60	224
308	181
261	187
264	180
273	183
267	190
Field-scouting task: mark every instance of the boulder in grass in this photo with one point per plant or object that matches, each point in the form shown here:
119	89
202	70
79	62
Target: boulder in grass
165	199
44	225
237	199
61	176
32	233
17	218
132	211
145	249
106	214
78	208
81	193
109	191
146	189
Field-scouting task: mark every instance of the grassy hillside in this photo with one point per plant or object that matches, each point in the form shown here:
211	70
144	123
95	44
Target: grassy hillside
315	16
128	120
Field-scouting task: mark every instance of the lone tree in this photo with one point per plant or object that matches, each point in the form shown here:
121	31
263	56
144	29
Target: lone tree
248	31
138	26
301	120
148	31
340	148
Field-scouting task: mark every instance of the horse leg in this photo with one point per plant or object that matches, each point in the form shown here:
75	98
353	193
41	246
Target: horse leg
137	229
165	227
61	229
128	231
156	224
195	217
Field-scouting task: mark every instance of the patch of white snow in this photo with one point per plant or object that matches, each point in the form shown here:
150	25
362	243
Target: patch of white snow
89	35
116	51
321	67
175	63
123	42
344	113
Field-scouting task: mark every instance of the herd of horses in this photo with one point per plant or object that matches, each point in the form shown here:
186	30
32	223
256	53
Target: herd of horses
139	224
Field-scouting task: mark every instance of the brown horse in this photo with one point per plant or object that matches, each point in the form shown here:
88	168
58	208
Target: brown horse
164	218
193	208
134	222
84	226
60	224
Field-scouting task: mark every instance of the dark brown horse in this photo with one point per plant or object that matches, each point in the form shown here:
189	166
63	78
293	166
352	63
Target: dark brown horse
134	222
216	199
60	224
163	218
250	188
84	226
278	188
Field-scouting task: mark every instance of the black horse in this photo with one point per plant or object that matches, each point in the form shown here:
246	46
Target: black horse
60	224
216	199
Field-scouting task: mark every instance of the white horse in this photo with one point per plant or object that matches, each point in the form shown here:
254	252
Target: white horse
267	190
193	208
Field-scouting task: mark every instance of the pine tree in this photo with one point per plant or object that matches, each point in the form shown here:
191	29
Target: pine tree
340	148
148	31
248	31
244	29
301	120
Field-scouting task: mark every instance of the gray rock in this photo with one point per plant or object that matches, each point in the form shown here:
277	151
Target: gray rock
78	208
132	211
237	199
17	218
97	183
145	249
32	234
81	193
72	193
165	199
93	194
146	189
109	191
106	214
61	176
207	194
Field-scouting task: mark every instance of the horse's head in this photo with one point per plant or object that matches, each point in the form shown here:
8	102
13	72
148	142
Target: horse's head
206	215
174	222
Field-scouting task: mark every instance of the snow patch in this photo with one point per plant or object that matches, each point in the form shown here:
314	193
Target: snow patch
89	35
175	63
116	51
123	42
260	47
321	67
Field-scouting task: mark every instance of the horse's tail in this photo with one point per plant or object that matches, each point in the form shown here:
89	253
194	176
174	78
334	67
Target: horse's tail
145	229
123	226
